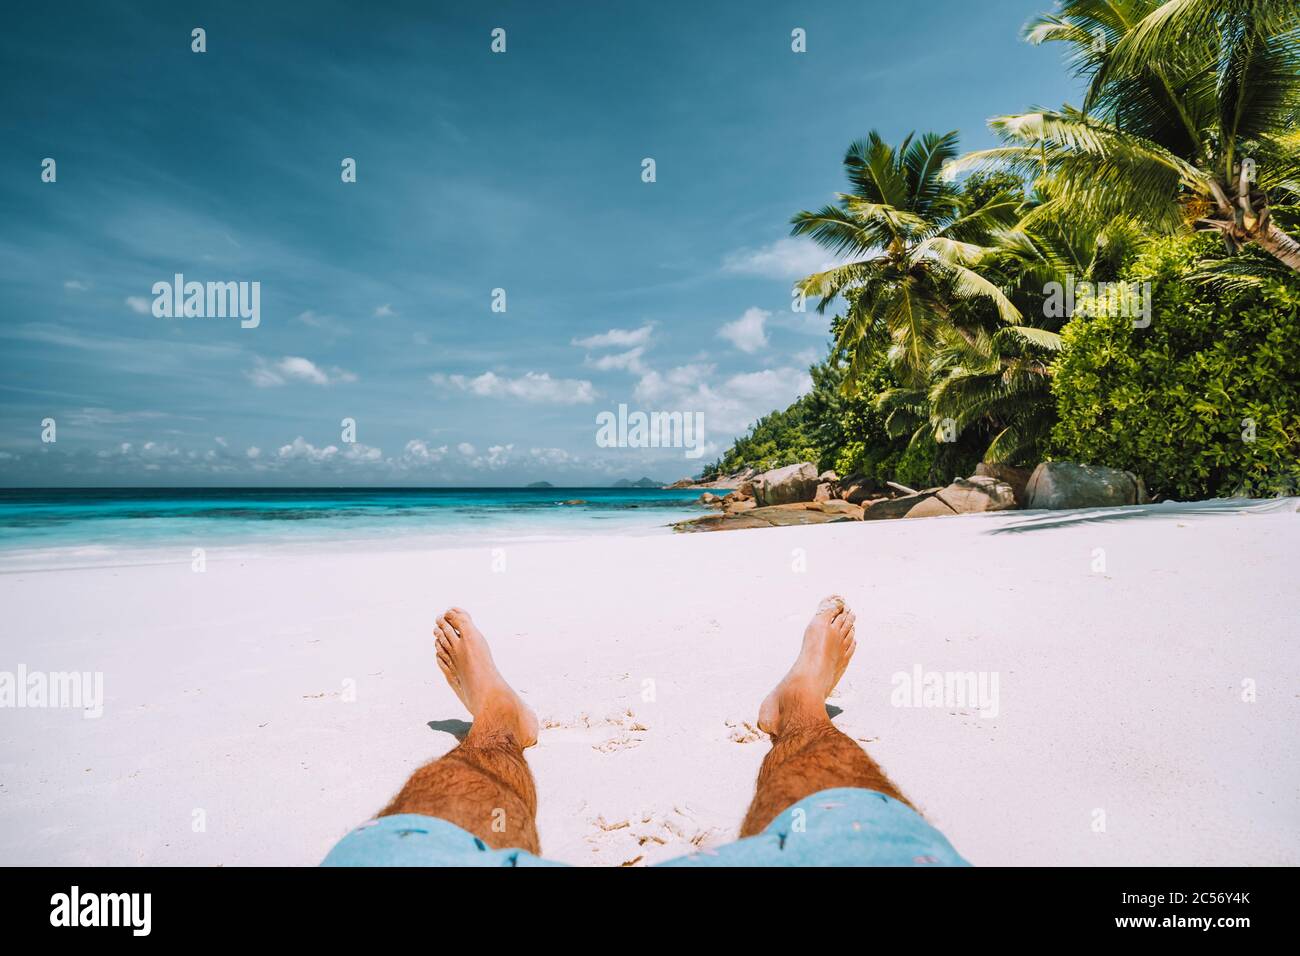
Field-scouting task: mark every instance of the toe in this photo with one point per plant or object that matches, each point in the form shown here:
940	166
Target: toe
832	602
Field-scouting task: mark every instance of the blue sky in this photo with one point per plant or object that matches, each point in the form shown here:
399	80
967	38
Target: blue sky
475	171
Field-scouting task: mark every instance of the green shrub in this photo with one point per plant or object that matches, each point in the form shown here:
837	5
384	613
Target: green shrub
855	430
778	439
825	426
1174	402
861	458
916	465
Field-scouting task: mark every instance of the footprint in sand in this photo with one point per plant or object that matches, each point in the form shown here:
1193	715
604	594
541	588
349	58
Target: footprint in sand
743	732
649	837
596	730
623	742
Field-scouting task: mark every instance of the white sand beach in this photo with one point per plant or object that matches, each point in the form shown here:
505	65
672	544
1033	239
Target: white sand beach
1121	735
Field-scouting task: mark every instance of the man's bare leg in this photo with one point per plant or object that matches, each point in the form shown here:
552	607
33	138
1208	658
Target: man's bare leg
808	753
484	785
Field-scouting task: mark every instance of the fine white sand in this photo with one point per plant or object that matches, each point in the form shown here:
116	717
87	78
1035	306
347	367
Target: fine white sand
1121	734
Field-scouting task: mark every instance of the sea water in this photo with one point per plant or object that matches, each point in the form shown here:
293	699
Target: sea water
58	527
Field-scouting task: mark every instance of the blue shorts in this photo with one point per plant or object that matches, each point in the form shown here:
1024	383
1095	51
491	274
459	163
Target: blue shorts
845	826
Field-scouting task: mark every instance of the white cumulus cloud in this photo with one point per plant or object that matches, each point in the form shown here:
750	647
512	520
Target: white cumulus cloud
418	450
533	387
749	332
301	450
731	403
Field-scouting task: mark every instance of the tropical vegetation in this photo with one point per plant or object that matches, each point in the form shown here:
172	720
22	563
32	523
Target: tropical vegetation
1176	182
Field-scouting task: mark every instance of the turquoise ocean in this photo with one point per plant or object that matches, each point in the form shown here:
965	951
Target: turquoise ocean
57	527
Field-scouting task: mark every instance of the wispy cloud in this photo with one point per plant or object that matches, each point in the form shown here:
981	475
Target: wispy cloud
97	417
617	338
786	258
629	361
293	368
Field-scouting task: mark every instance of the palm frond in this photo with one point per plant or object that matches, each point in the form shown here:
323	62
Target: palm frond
924	160
1030	335
955	260
874	173
833	282
1157	37
1238	273
839	231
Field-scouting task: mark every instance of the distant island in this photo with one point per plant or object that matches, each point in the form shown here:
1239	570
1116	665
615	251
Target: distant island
540	484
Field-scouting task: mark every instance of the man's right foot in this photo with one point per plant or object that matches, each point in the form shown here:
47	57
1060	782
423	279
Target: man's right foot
466	662
828	645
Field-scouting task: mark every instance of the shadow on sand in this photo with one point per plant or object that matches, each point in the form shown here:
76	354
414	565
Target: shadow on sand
457	728
1047	520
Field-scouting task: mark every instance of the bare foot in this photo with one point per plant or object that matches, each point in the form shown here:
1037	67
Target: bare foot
466	662
828	645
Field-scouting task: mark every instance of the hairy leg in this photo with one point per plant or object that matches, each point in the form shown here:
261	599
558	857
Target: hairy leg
483	786
808	753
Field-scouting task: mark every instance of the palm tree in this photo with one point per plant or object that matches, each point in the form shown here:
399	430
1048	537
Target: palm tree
1000	379
1188	118
997	379
913	245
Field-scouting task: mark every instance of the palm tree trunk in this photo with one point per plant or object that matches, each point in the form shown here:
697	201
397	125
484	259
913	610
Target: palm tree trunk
1278	244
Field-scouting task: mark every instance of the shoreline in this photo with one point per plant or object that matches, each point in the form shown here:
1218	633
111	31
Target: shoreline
376	540
179	553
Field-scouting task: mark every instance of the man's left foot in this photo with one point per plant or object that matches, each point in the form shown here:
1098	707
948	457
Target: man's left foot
466	662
